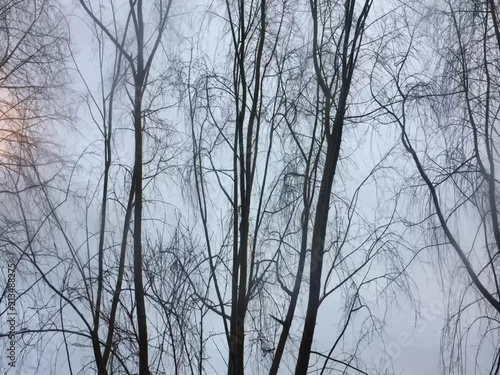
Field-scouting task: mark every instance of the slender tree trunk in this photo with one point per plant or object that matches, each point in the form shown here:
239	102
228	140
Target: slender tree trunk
278	354
349	53
318	248
96	347
138	282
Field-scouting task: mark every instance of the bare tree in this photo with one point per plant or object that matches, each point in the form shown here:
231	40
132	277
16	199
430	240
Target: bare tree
140	60
259	197
253	44
277	120
32	75
333	90
84	309
447	112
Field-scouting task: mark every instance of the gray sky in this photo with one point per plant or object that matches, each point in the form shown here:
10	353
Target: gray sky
412	333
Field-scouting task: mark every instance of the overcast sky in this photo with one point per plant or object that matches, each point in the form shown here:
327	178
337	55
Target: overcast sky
413	324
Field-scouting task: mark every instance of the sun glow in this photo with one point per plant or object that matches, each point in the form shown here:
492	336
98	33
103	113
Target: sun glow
13	124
